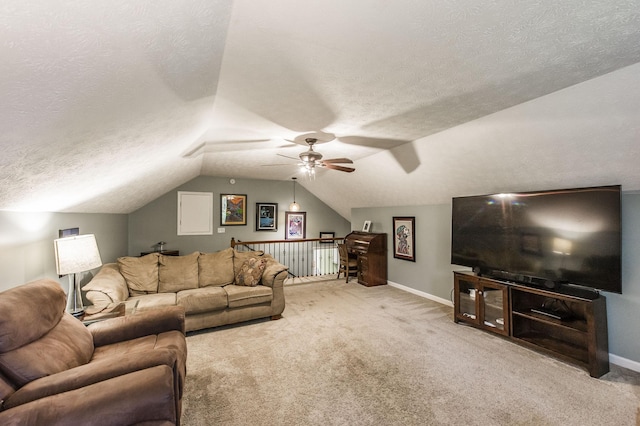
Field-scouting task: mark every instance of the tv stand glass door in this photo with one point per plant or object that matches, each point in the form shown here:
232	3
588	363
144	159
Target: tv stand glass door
481	303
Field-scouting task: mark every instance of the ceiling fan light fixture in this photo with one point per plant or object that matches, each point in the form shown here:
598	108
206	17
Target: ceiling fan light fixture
310	156
310	169
311	159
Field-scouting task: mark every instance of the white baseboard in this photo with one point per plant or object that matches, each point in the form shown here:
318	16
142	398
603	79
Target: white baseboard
421	293
614	359
624	362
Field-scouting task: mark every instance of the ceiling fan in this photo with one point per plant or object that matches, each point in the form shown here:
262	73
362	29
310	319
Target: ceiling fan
311	159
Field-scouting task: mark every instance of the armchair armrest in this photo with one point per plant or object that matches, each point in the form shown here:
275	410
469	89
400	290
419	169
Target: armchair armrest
90	374
141	324
135	398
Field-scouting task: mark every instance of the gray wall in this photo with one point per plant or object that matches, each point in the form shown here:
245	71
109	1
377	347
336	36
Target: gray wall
157	221
26	243
431	273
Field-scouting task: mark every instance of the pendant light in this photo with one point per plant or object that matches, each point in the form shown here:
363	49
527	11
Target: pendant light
294	207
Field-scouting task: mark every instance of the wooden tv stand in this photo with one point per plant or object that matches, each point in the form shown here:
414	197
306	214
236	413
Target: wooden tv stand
569	327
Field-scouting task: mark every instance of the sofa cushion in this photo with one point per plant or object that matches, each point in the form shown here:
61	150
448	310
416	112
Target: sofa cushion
150	301
37	337
251	272
216	268
140	273
203	299
177	273
19	306
239	257
240	295
69	344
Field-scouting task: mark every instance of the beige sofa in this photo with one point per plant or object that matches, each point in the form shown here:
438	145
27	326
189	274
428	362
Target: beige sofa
215	289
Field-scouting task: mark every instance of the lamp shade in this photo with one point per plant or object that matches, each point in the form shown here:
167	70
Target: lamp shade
76	254
294	207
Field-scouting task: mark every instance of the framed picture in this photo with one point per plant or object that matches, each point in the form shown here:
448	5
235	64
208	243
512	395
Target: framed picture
296	223
404	238
266	217
327	235
367	226
233	209
70	232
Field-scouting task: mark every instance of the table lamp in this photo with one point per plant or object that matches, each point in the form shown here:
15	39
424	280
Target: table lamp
74	255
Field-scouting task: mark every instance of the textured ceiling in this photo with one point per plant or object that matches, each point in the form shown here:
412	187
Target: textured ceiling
106	106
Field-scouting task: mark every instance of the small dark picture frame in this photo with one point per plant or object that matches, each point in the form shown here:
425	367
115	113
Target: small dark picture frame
327	235
296	225
266	217
70	232
404	238
233	209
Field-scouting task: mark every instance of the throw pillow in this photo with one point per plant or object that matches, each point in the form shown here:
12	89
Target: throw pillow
239	257
177	273
250	272
216	269
140	273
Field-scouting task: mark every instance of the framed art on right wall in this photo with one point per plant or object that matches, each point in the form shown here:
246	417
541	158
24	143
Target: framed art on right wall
296	225
404	238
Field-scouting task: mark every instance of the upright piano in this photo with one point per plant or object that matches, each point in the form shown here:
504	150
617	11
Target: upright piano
370	249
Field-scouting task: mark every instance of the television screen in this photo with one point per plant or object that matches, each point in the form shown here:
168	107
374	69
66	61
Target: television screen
569	236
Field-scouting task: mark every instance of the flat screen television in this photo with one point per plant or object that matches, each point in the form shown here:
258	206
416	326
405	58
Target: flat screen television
559	239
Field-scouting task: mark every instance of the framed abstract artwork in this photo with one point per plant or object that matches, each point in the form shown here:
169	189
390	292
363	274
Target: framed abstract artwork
266	217
404	238
296	225
233	209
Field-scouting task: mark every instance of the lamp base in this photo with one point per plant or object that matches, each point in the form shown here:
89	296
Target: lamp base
74	298
78	314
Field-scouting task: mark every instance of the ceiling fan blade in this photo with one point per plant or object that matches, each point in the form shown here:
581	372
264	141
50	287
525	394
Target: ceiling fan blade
340	168
286	156
228	146
338	160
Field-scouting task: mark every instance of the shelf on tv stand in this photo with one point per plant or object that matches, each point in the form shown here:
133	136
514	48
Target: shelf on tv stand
570	324
573	353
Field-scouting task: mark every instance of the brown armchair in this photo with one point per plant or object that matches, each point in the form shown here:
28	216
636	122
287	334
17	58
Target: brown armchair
55	371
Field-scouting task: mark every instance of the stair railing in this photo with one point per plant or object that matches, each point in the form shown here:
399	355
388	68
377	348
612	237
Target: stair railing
304	257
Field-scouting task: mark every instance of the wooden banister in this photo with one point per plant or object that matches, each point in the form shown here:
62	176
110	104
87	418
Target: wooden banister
239	242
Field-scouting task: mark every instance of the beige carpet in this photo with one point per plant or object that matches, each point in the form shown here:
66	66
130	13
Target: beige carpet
344	354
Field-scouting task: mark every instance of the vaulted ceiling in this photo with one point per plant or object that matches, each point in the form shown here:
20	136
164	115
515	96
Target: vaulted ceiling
108	105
